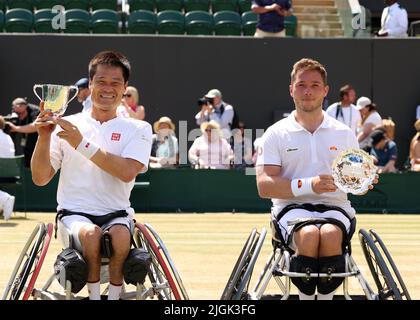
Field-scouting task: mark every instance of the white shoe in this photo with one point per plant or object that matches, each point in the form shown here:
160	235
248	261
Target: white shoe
8	207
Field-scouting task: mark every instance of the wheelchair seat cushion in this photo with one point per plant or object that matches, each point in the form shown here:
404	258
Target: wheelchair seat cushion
136	266
71	266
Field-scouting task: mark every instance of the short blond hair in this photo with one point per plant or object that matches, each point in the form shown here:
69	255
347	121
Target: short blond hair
133	91
306	64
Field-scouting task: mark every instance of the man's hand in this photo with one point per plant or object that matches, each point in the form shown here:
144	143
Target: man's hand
323	183
12	126
44	122
70	132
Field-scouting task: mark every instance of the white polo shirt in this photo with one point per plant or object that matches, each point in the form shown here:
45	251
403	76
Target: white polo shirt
394	20
350	116
302	154
83	186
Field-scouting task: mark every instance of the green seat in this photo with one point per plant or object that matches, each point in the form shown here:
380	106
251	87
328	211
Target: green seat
2	5
199	23
224	5
196	5
244	5
104	4
46	4
170	22
141	5
77	21
163	5
290	24
76	4
18	20
249	23
227	23
21	4
43	21
105	21
142	22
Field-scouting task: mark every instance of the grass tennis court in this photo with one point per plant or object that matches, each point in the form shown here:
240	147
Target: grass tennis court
205	247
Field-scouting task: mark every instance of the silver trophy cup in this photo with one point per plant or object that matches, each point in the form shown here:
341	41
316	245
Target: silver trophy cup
353	171
56	97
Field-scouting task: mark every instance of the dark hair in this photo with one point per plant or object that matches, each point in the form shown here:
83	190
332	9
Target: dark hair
372	106
345	90
307	64
110	58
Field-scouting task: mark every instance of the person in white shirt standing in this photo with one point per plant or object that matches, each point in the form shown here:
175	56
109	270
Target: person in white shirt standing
99	156
345	111
7	150
83	96
293	168
394	21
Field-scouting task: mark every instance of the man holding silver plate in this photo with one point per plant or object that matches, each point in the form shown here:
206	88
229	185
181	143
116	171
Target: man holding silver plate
99	155
307	163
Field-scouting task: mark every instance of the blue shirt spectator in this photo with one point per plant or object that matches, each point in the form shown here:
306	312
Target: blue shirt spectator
271	14
384	151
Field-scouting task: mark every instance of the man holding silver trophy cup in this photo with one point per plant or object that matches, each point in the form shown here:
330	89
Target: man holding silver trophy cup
307	163
99	155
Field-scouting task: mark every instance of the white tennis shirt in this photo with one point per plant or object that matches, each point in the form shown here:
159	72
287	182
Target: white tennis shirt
303	154
83	186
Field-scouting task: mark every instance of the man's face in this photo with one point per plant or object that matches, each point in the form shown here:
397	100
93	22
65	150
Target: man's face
107	87
308	91
19	108
390	2
216	101
351	96
381	144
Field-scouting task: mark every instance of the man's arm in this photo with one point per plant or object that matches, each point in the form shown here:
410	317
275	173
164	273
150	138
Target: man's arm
366	130
28	128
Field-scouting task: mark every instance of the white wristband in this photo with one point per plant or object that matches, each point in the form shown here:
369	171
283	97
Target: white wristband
302	186
87	148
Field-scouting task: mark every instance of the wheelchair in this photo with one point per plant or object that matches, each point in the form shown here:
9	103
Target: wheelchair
387	278
162	280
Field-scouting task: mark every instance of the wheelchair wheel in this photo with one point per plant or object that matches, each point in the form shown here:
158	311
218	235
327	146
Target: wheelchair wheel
387	288
377	239
238	269
169	261
25	264
159	274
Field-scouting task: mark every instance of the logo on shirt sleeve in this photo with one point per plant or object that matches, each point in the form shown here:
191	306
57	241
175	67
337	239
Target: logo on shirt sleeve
115	136
299	184
333	148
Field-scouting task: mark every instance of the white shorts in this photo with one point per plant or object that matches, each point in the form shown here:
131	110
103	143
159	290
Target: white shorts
287	230
71	225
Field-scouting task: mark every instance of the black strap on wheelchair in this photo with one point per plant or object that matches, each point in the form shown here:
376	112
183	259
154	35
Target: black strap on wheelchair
98	220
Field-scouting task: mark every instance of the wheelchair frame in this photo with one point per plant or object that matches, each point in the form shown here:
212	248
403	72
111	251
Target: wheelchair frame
162	282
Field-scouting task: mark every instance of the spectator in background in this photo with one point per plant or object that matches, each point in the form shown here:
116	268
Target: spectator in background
164	152
370	120
345	111
394	21
217	110
130	104
415	148
7	150
242	148
384	151
210	150
83	96
271	15
23	131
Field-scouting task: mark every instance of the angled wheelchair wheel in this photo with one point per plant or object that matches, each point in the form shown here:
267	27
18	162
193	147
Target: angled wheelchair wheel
159	275
385	283
238	269
403	289
169	261
28	262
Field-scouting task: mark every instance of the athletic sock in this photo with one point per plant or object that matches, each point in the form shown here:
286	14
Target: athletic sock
94	289
114	292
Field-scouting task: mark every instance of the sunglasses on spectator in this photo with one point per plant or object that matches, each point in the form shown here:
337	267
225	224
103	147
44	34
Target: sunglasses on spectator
128	95
208	130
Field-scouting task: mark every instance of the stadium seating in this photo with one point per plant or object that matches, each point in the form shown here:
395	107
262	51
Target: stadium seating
170	22
227	23
76	4
290	24
244	5
195	5
142	22
18	20
199	23
105	21
249	23
141	5
1	21
21	4
163	5
224	5
77	21
43	21
46	4
2	5
104	4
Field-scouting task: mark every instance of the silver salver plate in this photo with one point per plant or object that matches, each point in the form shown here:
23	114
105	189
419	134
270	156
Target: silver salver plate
353	171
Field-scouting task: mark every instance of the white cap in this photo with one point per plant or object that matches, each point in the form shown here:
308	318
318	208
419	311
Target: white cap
213	93
363	102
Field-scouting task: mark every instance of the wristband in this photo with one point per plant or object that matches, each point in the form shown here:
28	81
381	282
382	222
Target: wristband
87	148
302	186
